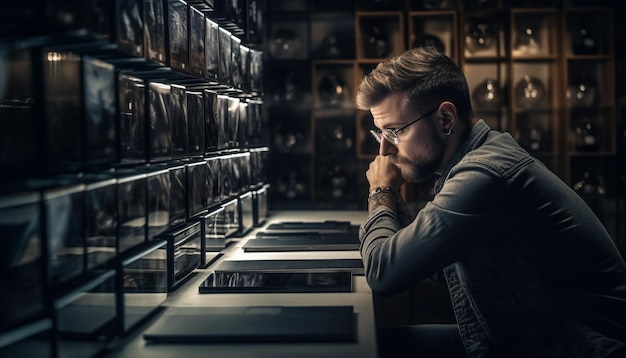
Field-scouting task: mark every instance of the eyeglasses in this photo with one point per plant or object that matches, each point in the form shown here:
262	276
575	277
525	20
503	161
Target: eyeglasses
391	135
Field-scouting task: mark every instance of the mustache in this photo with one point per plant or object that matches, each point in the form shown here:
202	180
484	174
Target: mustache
397	160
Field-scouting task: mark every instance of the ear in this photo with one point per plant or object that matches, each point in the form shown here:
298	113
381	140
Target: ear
448	115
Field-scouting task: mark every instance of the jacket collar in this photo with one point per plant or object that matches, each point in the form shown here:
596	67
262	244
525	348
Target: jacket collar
477	136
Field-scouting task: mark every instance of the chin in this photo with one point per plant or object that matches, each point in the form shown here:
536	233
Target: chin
411	176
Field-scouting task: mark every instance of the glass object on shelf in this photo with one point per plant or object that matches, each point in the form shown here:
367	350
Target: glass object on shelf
480	36
584	41
289	138
285	43
375	4
429	40
332	47
587	138
481	4
527	38
376	42
590	184
334	137
531	137
487	94
289	90
292	185
432	4
332	90
529	91
336	182
582	92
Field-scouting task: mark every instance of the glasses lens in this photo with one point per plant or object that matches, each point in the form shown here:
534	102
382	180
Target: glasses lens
376	135
391	136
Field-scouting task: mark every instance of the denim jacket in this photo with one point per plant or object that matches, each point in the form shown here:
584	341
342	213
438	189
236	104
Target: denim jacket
530	269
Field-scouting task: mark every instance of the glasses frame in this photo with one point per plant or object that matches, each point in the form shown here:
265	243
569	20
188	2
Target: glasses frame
391	135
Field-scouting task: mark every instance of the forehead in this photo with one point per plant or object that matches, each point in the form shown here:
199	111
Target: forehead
391	110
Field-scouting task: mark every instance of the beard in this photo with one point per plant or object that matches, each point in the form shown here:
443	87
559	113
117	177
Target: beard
424	164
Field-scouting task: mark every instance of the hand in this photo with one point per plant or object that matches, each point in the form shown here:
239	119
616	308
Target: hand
383	172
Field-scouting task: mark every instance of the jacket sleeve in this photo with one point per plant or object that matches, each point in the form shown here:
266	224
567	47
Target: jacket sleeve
473	207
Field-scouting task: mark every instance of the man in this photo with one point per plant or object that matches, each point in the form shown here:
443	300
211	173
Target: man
530	269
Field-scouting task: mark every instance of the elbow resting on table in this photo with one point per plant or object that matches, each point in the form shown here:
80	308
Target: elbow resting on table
380	287
380	283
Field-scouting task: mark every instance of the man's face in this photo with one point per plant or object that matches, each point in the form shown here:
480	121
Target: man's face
420	149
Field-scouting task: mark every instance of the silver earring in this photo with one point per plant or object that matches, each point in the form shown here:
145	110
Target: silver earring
447	131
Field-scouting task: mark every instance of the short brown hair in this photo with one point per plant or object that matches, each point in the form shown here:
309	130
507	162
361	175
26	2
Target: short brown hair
426	75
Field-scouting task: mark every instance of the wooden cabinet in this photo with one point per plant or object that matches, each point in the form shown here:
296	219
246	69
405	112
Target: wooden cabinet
542	71
588	96
535	84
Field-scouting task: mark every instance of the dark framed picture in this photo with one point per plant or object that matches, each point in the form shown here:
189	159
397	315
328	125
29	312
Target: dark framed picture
225	70
197	188
212	49
235	60
154	15
256	70
197	34
99	83
178	119
195	121
210	121
132	92
178	11
158	207
21	257
64	208
131	210
178	195
100	221
129	29
221	118
159	128
232	122
63	114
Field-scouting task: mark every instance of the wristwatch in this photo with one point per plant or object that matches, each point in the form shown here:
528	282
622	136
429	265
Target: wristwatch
379	189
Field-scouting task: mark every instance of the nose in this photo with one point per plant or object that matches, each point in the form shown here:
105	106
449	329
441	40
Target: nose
387	148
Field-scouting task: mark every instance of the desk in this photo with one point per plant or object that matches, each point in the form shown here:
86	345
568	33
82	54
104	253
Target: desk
188	296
